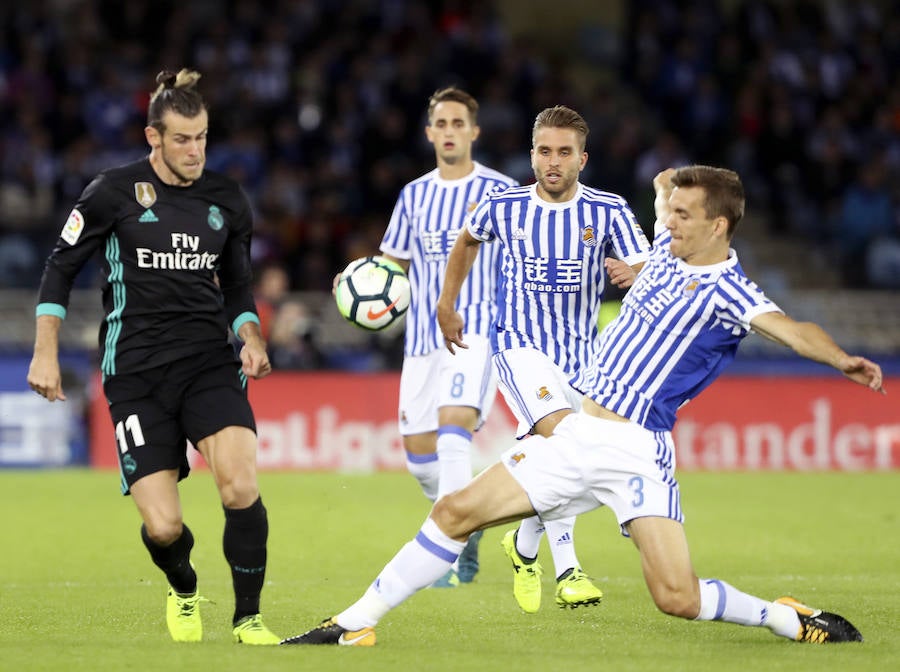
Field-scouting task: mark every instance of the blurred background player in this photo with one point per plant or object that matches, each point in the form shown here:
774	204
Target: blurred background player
445	399
679	328
176	246
556	238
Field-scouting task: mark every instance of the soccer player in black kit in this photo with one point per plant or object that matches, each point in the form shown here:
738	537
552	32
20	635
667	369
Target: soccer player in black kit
175	242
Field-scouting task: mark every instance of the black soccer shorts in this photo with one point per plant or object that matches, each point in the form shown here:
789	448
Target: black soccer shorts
157	411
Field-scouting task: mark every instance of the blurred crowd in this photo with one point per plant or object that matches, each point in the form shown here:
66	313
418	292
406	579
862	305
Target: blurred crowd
317	108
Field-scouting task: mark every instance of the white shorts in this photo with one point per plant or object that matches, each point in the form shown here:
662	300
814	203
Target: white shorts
533	386
591	462
439	378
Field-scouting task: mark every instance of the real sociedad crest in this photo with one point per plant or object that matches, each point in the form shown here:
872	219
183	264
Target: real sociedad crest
144	193
587	236
543	393
515	458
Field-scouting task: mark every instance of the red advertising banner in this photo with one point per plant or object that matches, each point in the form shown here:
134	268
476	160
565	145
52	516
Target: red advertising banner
343	421
798	424
322	421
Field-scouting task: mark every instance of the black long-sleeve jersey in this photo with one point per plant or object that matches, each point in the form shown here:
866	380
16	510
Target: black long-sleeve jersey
164	247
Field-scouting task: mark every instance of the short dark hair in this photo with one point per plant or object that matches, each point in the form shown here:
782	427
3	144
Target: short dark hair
724	191
176	92
561	116
454	95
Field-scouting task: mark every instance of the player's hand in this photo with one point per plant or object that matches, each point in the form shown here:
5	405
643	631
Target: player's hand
451	323
663	186
334	284
864	372
254	359
44	378
620	273
662	183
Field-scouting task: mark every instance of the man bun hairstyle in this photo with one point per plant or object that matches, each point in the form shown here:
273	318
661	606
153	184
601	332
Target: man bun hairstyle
724	191
561	116
176	92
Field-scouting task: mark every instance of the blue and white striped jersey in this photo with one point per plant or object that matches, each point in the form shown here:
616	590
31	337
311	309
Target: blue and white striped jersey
679	327
428	216
551	267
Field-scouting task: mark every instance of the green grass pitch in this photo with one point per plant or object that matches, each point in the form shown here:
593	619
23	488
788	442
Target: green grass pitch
78	592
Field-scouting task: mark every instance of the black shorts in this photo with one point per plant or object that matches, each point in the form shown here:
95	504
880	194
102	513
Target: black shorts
157	411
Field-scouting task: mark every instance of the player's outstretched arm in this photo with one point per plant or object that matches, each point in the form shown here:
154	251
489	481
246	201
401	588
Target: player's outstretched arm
44	375
459	263
254	359
811	341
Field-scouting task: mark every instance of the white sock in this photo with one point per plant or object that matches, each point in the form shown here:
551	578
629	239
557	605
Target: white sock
426	470
417	565
720	601
454	448
365	612
528	537
560	536
782	620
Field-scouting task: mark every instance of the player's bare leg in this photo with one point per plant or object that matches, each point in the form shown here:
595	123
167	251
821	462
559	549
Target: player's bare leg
677	591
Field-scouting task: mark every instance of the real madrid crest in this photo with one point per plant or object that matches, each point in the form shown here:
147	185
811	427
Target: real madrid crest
144	193
215	219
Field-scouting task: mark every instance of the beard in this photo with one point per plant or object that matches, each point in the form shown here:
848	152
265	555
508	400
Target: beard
179	174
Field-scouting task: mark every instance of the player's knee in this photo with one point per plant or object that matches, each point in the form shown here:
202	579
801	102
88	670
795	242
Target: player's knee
679	602
163	530
452	515
239	490
463	417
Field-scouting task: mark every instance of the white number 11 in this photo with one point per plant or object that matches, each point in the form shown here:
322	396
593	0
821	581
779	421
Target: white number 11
132	425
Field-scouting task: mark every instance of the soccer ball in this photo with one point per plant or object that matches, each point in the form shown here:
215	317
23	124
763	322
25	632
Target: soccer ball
372	293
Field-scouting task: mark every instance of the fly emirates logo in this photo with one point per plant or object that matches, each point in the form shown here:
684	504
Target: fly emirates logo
183	256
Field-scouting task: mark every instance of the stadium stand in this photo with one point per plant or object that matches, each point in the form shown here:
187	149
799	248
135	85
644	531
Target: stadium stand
318	114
